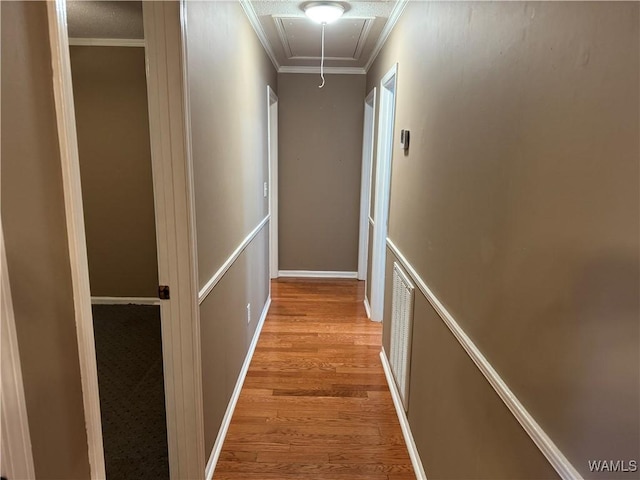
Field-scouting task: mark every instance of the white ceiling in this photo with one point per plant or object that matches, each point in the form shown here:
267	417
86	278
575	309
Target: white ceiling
293	41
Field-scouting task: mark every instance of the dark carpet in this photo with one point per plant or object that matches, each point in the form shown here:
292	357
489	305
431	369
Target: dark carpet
129	354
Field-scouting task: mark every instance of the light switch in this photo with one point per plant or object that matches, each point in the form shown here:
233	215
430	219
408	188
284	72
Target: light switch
404	140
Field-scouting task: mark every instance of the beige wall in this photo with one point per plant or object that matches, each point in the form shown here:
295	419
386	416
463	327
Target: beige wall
518	206
226	335
228	77
228	74
34	225
320	158
110	94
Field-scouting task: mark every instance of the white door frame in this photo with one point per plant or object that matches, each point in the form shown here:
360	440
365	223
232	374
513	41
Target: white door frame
388	93
272	141
77	244
16	456
175	233
172	166
365	183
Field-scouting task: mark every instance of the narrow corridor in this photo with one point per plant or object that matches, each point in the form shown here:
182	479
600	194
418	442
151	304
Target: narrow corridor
315	402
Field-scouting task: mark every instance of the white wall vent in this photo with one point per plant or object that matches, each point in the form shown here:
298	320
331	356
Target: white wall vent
401	327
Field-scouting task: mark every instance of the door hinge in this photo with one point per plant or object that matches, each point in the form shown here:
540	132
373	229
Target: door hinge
163	292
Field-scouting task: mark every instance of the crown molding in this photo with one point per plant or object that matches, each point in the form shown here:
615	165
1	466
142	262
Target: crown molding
327	70
386	31
257	27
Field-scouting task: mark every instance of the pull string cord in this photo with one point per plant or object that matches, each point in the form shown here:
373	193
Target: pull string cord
322	59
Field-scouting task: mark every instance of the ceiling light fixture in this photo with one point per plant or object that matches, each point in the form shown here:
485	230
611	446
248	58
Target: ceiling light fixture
323	13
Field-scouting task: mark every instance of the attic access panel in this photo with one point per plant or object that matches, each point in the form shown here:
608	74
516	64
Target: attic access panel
344	39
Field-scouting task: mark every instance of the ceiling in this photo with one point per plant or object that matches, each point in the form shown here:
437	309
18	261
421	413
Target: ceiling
293	42
105	19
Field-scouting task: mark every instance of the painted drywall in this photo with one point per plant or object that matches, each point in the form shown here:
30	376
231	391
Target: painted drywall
110	95
227	72
518	206
226	333
320	158
34	224
461	427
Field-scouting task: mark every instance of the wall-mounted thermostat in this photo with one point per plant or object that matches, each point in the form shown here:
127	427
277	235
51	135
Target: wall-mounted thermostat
404	139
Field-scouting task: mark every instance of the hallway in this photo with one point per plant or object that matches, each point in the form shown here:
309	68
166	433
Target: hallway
315	402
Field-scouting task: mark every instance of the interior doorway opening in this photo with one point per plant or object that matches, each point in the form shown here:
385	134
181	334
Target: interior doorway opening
272	133
388	88
366	222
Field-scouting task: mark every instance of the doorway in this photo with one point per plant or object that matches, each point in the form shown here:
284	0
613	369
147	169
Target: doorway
386	122
112	124
366	222
272	126
175	236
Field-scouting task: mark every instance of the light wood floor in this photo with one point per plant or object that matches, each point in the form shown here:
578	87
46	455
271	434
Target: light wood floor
315	403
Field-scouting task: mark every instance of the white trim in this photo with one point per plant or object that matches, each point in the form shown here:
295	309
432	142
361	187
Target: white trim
125	301
418	468
213	281
549	449
107	42
316	274
328	70
384	160
228	415
67	136
16	454
252	16
386	31
364	36
177	267
365	181
367	307
278	21
272	146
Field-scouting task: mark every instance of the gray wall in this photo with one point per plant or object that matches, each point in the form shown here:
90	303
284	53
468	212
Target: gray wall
110	95
228	74
518	206
320	158
34	225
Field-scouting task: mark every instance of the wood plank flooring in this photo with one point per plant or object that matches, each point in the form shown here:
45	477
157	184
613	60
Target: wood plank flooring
315	402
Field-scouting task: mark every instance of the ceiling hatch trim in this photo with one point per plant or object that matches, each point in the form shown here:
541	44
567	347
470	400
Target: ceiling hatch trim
363	35
327	70
386	31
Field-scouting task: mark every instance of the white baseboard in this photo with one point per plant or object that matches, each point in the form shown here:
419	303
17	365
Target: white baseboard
367	307
549	449
316	274
404	422
125	301
226	421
